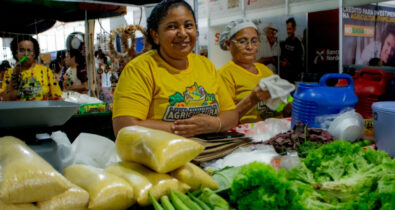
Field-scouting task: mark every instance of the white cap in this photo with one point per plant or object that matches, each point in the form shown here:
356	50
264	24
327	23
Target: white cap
232	28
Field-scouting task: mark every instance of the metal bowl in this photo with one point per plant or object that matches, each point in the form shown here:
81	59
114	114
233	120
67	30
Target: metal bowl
32	114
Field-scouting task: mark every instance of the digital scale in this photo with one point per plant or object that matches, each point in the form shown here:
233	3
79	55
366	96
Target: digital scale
34	121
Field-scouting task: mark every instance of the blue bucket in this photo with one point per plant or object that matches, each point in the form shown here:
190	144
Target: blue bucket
312	100
384	126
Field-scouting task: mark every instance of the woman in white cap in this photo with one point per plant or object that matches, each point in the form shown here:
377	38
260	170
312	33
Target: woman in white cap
241	75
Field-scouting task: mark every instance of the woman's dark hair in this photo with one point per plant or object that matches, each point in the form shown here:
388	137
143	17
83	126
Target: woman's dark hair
160	11
19	38
81	67
5	65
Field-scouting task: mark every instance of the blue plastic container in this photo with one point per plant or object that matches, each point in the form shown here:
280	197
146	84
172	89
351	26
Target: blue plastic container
312	100
384	126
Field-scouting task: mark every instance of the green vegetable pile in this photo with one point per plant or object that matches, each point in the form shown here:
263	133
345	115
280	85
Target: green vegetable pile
345	176
259	186
204	199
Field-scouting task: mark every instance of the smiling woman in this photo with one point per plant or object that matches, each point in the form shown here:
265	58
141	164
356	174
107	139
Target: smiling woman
169	88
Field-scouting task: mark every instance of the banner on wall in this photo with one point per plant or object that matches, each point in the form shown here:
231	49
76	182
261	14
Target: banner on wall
368	35
282	48
323	43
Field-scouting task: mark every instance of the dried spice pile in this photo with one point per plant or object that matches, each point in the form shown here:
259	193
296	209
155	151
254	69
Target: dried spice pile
301	139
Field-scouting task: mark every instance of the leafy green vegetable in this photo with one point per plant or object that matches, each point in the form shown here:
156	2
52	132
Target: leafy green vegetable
259	186
341	175
224	178
213	200
305	148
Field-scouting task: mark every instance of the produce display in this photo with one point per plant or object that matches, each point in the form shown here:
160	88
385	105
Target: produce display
159	150
144	180
291	140
328	175
24	176
106	191
339	175
345	176
73	198
204	199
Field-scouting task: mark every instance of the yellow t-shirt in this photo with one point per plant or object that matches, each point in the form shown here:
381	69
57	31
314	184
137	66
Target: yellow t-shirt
149	88
240	83
37	83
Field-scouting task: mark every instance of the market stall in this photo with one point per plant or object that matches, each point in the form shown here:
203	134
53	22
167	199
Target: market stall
65	155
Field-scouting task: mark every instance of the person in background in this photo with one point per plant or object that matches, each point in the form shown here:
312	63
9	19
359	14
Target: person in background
241	75
59	66
169	88
75	78
269	49
388	46
292	54
28	81
4	66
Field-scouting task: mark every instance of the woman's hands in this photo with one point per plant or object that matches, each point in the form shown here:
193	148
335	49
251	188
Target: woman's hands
260	95
198	124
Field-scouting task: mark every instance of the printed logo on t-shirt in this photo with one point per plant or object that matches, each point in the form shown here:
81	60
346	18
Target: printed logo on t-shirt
194	100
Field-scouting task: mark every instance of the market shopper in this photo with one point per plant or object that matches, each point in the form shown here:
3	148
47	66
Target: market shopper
241	75
28	81
292	54
75	77
169	88
269	49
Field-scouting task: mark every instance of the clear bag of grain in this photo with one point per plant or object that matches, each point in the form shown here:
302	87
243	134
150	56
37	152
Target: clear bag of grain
19	206
194	176
106	191
159	150
24	176
145	180
74	198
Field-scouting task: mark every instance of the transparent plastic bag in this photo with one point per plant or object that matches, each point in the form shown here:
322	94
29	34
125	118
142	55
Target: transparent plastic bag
106	191
145	180
74	198
159	150
24	176
194	176
264	130
93	150
347	126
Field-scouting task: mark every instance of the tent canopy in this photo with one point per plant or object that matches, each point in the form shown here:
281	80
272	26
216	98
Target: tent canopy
35	16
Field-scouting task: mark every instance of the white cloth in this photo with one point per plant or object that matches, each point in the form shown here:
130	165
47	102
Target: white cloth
265	51
278	88
72	74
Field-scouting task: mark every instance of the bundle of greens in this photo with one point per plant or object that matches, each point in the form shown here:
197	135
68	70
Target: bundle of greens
344	176
259	186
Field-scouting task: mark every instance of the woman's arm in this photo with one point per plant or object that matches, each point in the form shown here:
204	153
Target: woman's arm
203	123
122	121
256	95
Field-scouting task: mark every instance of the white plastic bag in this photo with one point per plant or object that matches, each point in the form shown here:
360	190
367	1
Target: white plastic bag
64	148
347	126
264	130
94	150
244	155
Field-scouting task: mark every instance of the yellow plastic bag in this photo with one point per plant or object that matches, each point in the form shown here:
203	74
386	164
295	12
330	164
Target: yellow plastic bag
25	176
145	180
194	177
106	190
159	150
21	206
74	198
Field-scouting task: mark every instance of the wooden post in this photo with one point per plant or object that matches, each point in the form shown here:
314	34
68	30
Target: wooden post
90	61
